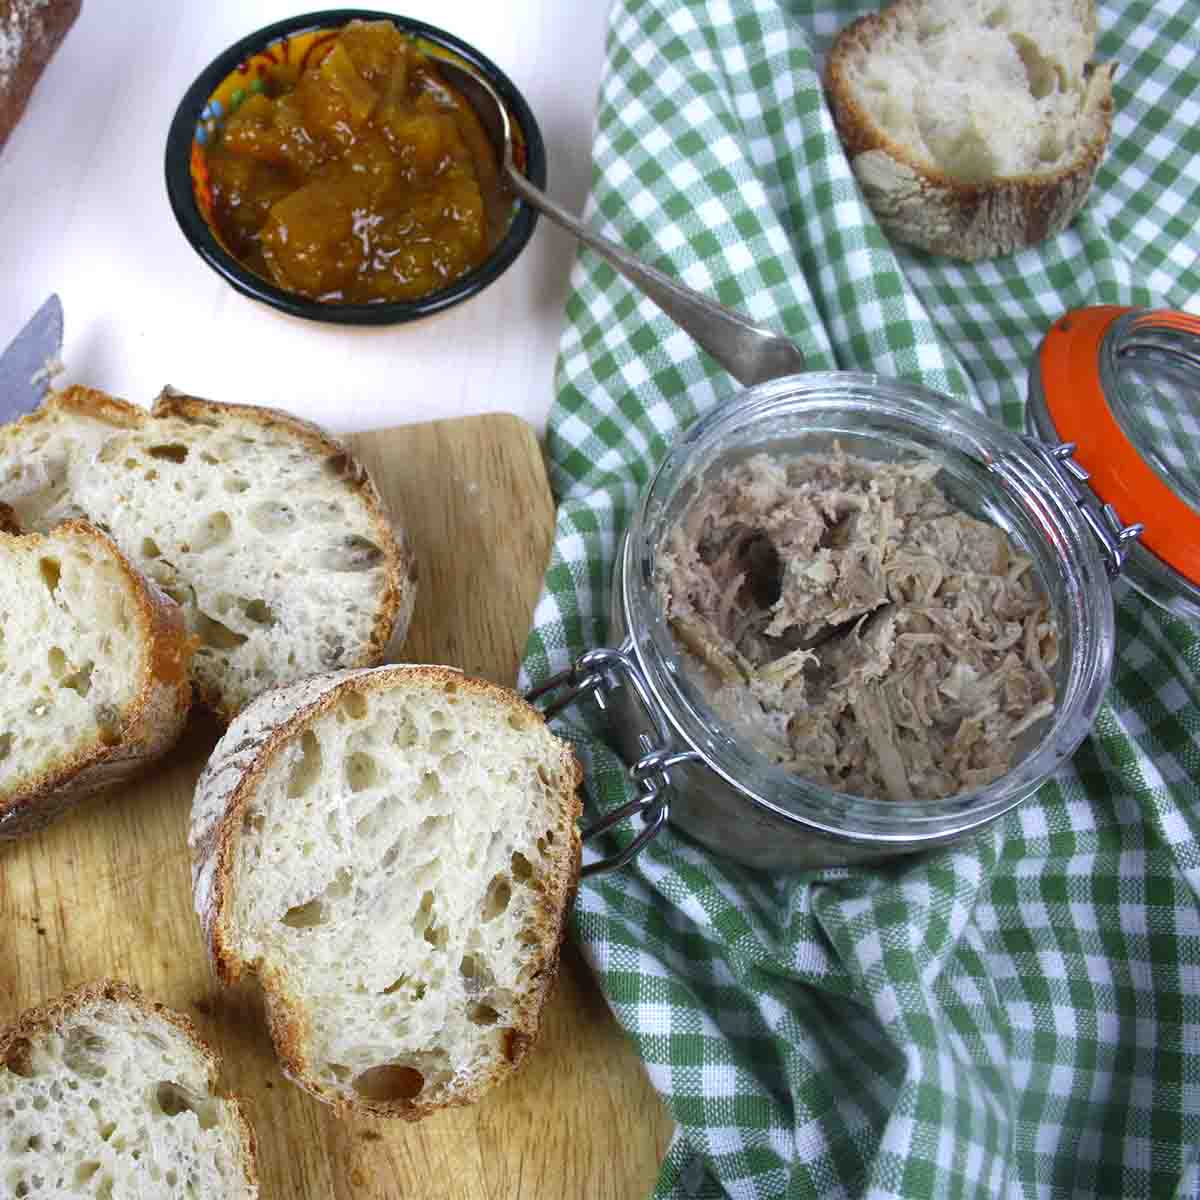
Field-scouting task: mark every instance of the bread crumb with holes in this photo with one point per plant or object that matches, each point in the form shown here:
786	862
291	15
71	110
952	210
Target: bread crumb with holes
269	535
93	671
393	852
103	1093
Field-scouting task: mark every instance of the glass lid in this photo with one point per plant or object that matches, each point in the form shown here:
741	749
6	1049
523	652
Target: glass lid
1155	359
1123	384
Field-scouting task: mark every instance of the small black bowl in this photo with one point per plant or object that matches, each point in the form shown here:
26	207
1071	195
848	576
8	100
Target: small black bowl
194	121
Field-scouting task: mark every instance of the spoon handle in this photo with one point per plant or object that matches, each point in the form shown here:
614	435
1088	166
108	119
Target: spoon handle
750	353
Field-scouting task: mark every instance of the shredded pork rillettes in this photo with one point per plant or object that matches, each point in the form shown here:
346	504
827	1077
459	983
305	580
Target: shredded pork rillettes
850	624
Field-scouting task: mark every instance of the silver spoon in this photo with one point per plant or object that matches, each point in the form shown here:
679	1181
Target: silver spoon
750	353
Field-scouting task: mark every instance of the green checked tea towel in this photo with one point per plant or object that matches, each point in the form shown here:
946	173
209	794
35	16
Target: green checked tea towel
1017	1017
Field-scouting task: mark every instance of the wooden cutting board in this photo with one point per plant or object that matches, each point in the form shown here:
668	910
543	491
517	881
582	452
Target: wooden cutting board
106	892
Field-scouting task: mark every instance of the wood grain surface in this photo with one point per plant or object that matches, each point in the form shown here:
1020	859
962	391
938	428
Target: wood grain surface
106	892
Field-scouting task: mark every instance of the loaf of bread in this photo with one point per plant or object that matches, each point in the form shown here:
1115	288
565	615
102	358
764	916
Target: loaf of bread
394	853
30	32
93	671
974	127
103	1093
269	535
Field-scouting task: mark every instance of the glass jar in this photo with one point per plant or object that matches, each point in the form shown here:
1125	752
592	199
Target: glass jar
690	768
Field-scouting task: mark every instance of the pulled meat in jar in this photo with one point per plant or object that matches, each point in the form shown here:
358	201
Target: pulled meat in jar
850	624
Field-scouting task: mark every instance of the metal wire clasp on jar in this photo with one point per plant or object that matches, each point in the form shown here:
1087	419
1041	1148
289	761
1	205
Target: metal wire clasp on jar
605	673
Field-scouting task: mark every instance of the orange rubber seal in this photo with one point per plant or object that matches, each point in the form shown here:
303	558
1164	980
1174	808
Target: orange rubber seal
1069	362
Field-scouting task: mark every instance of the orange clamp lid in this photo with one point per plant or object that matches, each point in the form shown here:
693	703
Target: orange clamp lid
1081	412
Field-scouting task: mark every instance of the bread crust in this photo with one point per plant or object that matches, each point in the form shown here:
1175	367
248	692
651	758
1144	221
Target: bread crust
922	206
231	778
45	1018
149	727
38	27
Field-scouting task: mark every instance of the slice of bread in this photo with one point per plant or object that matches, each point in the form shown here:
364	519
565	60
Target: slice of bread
30	32
265	530
974	127
93	671
394	853
103	1093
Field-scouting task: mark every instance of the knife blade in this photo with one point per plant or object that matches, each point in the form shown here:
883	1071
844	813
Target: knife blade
24	376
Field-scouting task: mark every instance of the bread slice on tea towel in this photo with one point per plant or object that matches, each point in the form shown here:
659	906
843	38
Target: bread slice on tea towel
103	1093
93	671
394	853
265	529
974	127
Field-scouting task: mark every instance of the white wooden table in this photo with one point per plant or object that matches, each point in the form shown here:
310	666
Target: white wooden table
84	212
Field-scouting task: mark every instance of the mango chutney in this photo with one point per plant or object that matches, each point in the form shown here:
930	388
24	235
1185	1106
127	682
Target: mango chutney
358	175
